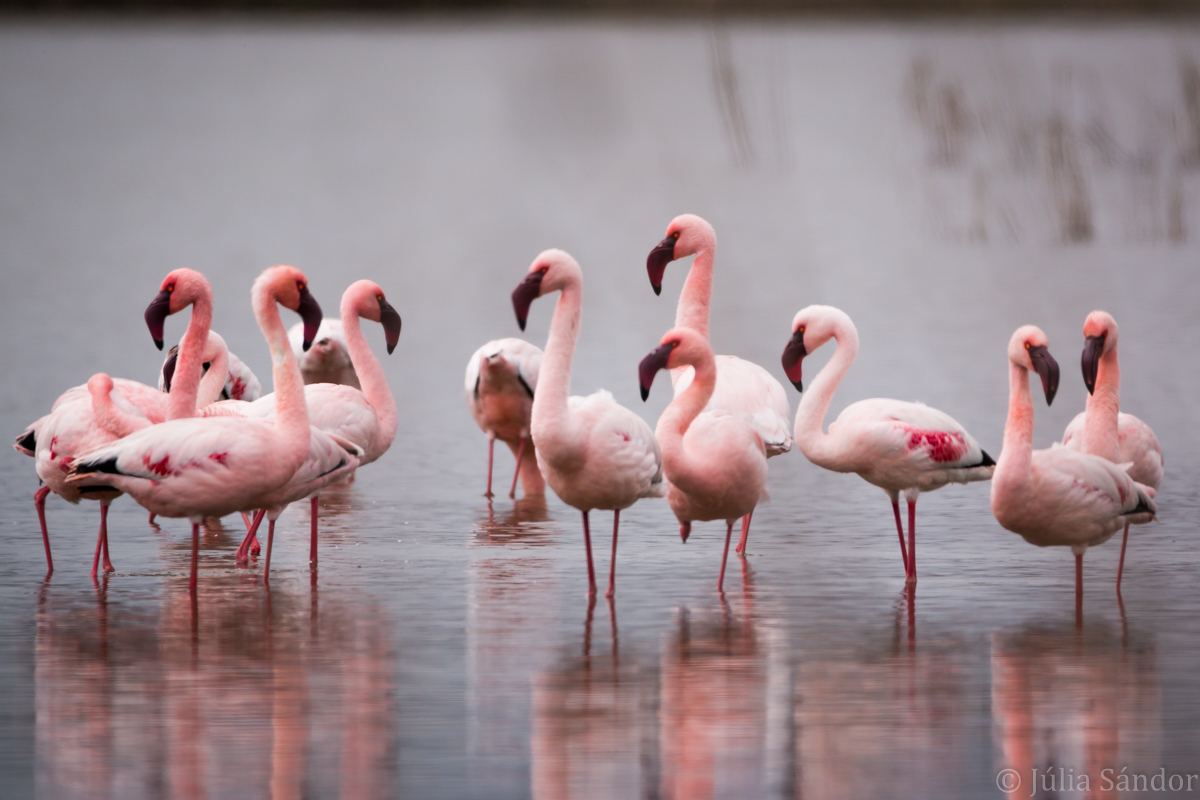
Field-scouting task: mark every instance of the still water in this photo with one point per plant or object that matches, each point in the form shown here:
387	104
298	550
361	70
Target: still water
942	184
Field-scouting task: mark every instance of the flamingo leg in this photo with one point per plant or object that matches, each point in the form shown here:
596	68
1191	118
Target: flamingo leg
108	566
99	540
900	532
195	557
1078	588
240	556
1121	563
491	450
152	516
250	543
39	502
724	557
741	545
312	547
912	541
512	493
587	541
612	567
270	541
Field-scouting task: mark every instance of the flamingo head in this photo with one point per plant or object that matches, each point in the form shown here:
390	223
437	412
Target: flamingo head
289	287
1030	349
812	327
1100	337
214	347
679	347
179	289
553	270
686	235
365	299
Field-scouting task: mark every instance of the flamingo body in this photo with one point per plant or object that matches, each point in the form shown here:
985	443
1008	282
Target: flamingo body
1137	445
500	382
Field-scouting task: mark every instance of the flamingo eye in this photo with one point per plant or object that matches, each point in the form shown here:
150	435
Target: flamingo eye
674	343
300	285
544	270
675	235
379	297
1027	346
170	288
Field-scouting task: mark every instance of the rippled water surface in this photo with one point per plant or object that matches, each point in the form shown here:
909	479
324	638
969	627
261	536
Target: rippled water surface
941	184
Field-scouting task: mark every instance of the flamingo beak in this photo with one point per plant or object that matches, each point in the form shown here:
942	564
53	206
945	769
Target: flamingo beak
1092	350
526	292
650	366
310	312
656	263
793	356
390	321
1047	368
156	314
168	369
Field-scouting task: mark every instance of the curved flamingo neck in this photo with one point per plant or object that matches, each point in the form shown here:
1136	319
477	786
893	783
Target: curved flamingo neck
1016	455
105	411
1103	406
291	412
696	297
213	382
551	400
370	372
181	404
810	414
679	416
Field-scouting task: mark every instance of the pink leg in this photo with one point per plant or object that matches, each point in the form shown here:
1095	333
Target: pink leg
99	540
270	541
250	544
246	519
512	493
195	556
612	567
900	533
912	542
152	516
491	449
724	557
1078	589
587	541
108	567
240	556
1121	563
741	545
39	502
312	547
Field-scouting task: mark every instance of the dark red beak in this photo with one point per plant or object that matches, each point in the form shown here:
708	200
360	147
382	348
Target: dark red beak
1093	348
156	314
656	263
310	312
650	366
526	292
390	321
793	356
1047	368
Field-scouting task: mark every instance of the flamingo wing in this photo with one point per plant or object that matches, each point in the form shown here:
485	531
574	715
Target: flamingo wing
932	437
623	440
1140	446
746	390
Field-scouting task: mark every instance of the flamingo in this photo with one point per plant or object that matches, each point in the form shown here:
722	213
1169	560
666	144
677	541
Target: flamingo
895	445
500	382
594	453
328	360
241	383
1057	497
715	462
199	468
86	417
1103	430
743	389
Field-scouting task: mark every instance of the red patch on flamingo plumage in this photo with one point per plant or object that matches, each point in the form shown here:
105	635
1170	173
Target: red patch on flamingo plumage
942	447
161	467
239	389
218	457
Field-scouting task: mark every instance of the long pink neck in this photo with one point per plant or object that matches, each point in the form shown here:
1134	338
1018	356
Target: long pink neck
810	414
291	412
550	403
184	389
1016	456
213	382
696	297
106	413
680	415
370	377
1103	406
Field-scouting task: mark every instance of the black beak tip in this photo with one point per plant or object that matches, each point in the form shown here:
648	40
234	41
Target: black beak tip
645	393
799	386
657	289
307	344
391	349
521	323
158	343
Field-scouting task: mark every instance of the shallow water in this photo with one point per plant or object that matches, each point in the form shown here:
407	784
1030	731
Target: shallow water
941	184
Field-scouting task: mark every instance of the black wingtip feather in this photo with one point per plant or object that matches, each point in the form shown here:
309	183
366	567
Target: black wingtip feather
523	383
108	466
28	440
988	461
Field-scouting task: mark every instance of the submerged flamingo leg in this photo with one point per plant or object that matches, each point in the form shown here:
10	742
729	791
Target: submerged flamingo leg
724	557
108	566
152	516
39	502
741	545
195	556
1078	588
587	541
1121	563
491	449
250	544
512	493
900	532
240	556
312	547
612	567
912	542
270	541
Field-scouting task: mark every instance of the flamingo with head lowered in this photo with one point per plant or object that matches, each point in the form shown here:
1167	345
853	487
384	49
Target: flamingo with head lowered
240	382
895	445
742	388
500	381
592	451
715	462
1057	497
1103	429
210	467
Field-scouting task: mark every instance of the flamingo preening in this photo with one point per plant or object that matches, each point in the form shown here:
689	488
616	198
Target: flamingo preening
895	445
592	451
500	382
1057	497
1103	429
742	388
240	381
715	462
328	360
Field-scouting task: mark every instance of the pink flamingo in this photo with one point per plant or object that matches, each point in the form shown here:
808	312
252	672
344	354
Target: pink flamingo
240	383
593	452
500	382
328	360
1057	497
895	445
1103	430
743	389
202	467
715	462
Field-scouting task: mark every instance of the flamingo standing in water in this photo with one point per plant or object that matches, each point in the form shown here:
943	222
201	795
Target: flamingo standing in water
715	462
1057	497
1103	430
895	445
743	389
593	452
501	379
328	360
201	467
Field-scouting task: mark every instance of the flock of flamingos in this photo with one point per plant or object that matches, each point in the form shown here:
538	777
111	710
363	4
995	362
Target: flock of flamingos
180	450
